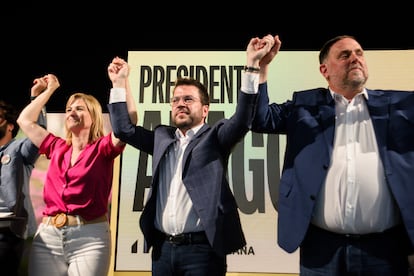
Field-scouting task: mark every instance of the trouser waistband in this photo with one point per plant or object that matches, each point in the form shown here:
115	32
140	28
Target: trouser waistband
61	219
187	238
395	230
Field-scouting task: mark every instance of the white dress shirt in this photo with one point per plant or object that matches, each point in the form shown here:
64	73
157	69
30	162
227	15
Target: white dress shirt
355	198
175	212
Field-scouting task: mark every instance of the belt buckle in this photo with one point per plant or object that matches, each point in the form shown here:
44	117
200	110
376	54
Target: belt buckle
177	239
353	236
59	220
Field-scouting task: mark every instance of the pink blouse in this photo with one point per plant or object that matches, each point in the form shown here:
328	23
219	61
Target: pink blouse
84	188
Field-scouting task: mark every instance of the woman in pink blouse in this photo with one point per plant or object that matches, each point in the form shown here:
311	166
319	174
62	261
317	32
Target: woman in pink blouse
74	235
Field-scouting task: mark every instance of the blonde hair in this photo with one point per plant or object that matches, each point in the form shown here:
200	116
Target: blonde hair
95	110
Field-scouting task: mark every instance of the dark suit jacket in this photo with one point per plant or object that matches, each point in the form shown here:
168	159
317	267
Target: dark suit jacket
308	120
204	175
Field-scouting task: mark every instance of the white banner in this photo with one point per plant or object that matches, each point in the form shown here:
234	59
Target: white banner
254	167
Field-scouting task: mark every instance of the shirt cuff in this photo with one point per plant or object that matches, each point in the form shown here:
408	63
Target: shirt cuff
249	83
117	95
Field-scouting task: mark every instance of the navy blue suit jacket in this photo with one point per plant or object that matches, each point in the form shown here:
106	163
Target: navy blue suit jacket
308	121
204	174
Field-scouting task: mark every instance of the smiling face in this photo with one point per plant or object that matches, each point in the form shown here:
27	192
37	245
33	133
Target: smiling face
83	114
187	109
345	67
78	116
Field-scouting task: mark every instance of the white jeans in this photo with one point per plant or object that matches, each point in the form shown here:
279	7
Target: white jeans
82	250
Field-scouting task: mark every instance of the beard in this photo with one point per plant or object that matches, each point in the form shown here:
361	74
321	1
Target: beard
356	79
183	124
183	121
3	130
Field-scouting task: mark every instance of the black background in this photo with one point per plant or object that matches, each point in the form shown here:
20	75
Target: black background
76	42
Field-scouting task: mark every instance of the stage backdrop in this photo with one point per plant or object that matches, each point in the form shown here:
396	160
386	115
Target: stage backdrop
255	165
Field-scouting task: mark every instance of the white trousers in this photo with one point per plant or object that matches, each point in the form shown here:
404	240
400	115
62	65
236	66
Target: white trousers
82	250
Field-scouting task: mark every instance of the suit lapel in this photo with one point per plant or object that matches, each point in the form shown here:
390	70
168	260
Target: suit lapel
327	121
164	138
196	139
377	104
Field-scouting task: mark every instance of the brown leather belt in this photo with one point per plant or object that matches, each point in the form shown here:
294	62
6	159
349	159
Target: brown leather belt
62	219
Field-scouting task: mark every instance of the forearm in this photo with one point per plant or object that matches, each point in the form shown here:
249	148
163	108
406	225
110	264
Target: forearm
132	108
264	69
42	118
32	121
124	94
118	71
33	110
249	82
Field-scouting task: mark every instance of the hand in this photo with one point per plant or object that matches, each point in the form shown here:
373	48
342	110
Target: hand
39	84
272	53
118	71
52	82
48	81
258	48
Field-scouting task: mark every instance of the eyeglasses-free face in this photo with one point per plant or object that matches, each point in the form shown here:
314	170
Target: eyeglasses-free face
187	100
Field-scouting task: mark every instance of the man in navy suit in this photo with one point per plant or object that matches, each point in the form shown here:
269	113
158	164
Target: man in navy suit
346	195
191	217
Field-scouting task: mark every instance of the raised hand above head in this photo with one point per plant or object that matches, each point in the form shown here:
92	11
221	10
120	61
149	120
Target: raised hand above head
273	51
48	81
118	71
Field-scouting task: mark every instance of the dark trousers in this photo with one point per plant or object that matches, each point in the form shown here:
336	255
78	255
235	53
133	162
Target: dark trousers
379	254
11	252
186	256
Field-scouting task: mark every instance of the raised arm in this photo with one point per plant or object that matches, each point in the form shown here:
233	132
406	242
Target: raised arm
42	90
39	85
259	53
118	72
267	59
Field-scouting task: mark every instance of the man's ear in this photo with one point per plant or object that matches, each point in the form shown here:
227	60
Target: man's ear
324	70
205	110
10	127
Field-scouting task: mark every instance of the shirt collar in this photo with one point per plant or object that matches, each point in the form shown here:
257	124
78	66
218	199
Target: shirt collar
363	92
190	133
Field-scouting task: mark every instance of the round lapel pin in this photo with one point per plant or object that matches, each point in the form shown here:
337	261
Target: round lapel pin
5	159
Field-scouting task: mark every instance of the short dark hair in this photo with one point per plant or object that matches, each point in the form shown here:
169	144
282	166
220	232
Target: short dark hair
10	114
324	52
202	89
